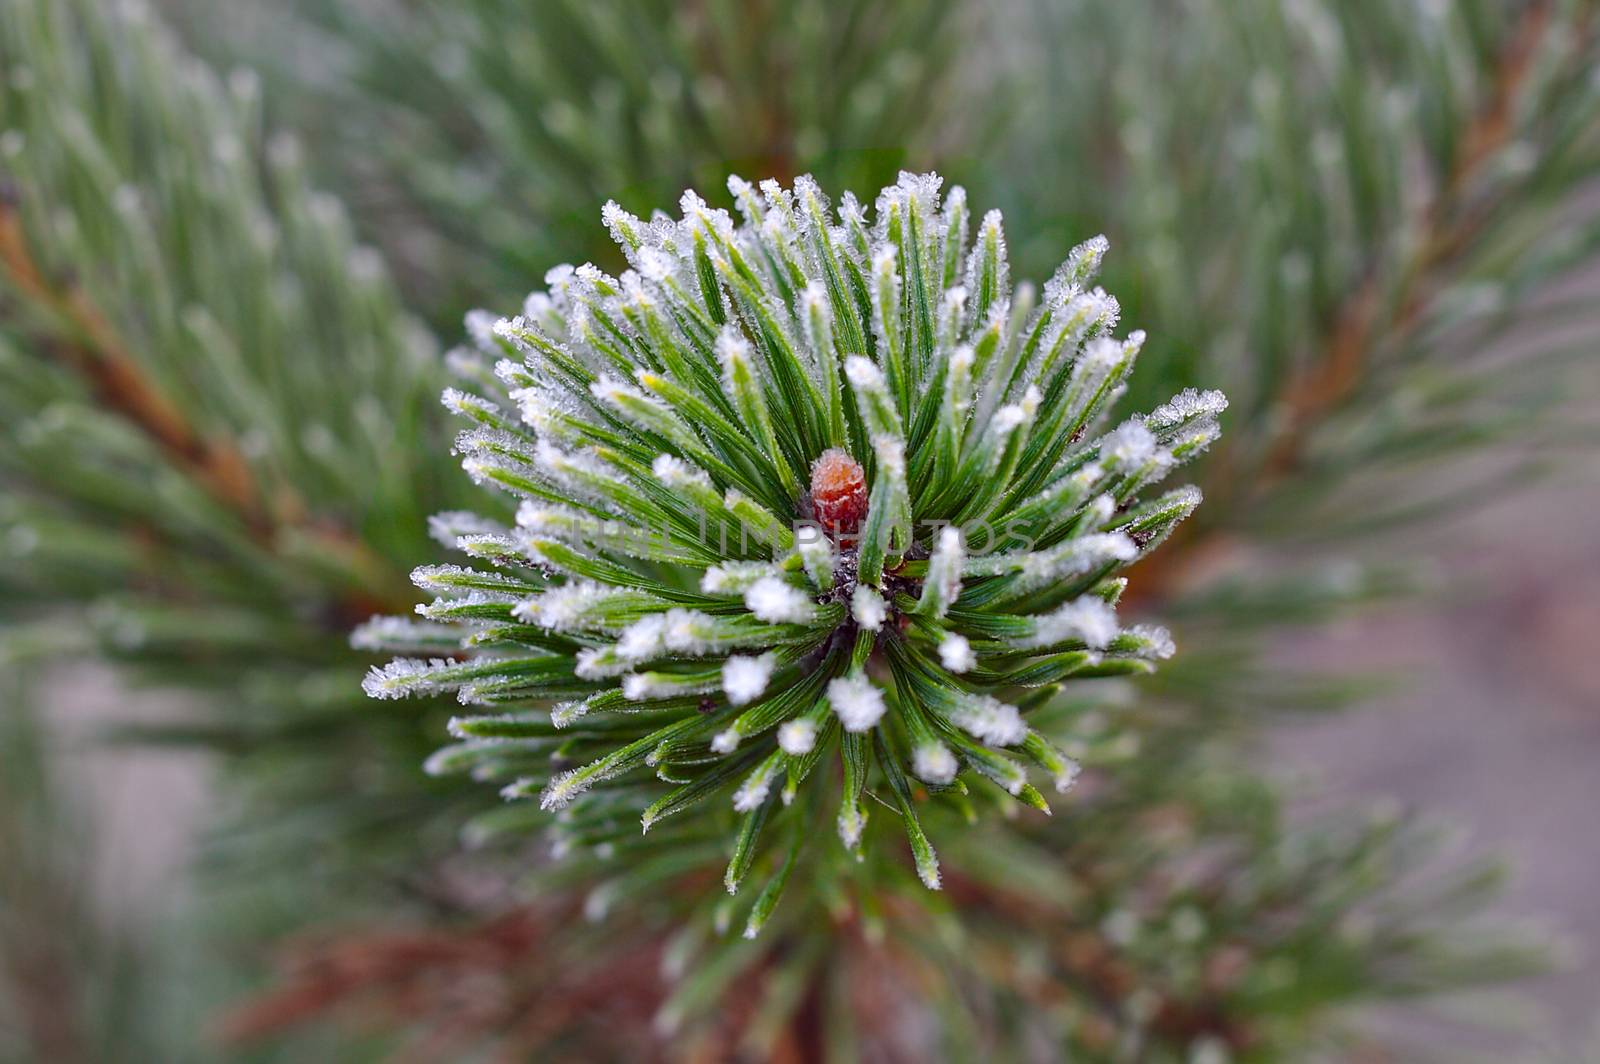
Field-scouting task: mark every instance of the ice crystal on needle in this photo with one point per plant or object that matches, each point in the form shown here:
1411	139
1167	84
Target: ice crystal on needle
813	488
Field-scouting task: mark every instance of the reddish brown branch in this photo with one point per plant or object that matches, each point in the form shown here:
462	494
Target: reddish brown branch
458	986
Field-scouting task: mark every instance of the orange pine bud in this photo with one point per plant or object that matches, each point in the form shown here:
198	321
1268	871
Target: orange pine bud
838	492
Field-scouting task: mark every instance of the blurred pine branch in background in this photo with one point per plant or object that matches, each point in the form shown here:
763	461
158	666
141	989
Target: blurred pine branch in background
482	138
219	443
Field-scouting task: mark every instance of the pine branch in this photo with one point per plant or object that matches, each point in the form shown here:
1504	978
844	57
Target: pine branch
734	413
508	133
1380	312
121	385
684	396
1334	378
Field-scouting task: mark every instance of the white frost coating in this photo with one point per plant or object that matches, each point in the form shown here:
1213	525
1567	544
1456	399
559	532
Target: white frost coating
508	329
512	373
1067	775
890	453
816	554
674	472
776	602
744	198
1101	353
538	306
458	402
553	521
1186	498
564	713
644	638
610	390
598	663
991	233
690	632
1091	310
933	762
809	195
989	720
561	608
1160	640
570	467
1007	418
734	578
920	192
624	226
636	293
558	279
717	222
640	687
654	263
398	678
1087	618
952	306
868	608
726	741
797	737
592	275
732	348
562	789
1031	398
852	820
863	373
744	678
1076	556
943	584
1083	480
850	209
955	653
1186	405
1084	260
1128	446
471	694
885	262
539	408
755	788
815	297
858	704
961	374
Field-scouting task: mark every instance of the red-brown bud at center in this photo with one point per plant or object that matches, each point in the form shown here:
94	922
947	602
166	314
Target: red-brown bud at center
838	492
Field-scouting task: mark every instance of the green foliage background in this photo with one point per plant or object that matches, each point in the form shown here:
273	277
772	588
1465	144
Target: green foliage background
219	352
